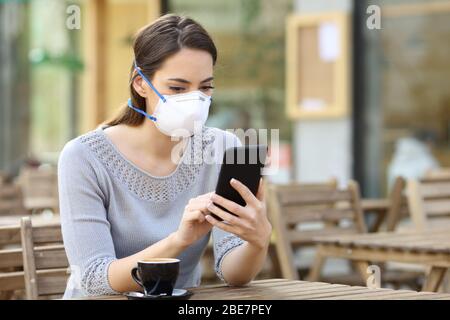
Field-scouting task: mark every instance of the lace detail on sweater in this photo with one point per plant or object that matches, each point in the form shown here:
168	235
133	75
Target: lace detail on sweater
142	184
95	281
223	247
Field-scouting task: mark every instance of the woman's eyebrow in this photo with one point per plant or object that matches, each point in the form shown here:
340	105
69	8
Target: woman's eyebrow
180	80
188	82
207	79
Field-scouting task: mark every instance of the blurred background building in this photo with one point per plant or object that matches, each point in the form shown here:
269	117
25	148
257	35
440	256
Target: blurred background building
59	80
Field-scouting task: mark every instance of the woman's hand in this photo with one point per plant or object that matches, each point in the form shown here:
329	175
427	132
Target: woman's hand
193	225
250	223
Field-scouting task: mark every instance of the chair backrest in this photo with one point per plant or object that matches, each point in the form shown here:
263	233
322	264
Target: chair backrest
11	264
429	200
295	207
41	184
44	260
398	204
441	173
11	200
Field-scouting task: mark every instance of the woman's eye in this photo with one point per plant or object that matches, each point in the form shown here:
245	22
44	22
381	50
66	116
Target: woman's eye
176	89
207	88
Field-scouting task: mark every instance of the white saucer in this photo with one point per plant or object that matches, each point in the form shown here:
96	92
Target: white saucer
177	294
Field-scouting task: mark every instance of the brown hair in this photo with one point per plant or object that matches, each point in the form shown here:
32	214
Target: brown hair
152	45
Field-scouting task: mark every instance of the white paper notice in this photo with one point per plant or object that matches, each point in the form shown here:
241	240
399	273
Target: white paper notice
329	42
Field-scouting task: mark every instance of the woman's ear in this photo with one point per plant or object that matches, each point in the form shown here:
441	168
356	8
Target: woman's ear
139	86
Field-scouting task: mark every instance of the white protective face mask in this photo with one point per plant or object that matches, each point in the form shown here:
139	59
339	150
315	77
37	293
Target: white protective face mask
179	114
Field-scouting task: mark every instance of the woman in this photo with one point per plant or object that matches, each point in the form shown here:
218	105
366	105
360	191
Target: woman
123	198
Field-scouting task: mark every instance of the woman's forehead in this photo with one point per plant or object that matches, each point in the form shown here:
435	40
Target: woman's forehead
189	64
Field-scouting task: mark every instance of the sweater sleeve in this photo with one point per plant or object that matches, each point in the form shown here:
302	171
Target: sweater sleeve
224	242
85	227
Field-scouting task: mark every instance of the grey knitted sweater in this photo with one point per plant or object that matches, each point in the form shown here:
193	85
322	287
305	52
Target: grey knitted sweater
111	209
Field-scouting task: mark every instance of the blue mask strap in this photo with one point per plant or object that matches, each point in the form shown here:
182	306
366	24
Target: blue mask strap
138	70
140	111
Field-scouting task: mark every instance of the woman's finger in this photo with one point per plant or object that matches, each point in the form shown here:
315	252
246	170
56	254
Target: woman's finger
195	215
260	195
229	205
199	203
245	192
200	217
216	223
227	217
202	206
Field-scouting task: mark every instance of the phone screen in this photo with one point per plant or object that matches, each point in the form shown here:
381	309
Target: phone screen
244	164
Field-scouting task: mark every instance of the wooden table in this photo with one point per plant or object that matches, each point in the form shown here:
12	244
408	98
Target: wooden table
430	248
282	289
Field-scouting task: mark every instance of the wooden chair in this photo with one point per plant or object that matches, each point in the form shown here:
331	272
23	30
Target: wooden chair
398	204
405	193
397	274
295	205
429	202
40	188
11	200
441	173
44	260
11	265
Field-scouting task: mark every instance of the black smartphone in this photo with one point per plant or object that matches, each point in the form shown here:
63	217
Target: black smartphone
244	164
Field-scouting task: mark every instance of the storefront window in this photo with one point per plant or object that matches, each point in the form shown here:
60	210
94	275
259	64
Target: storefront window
249	75
55	65
407	74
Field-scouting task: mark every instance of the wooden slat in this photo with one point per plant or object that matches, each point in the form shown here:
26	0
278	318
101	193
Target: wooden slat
11	200
9	191
330	292
26	233
386	255
10	281
45	257
10	258
51	257
40	188
250	292
296	187
309	236
45	267
295	290
438	208
375	204
385	236
427	242
9	235
52	282
395	240
376	295
300	215
268	293
435	190
257	292
428	296
311	197
6	205
47	234
273	283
